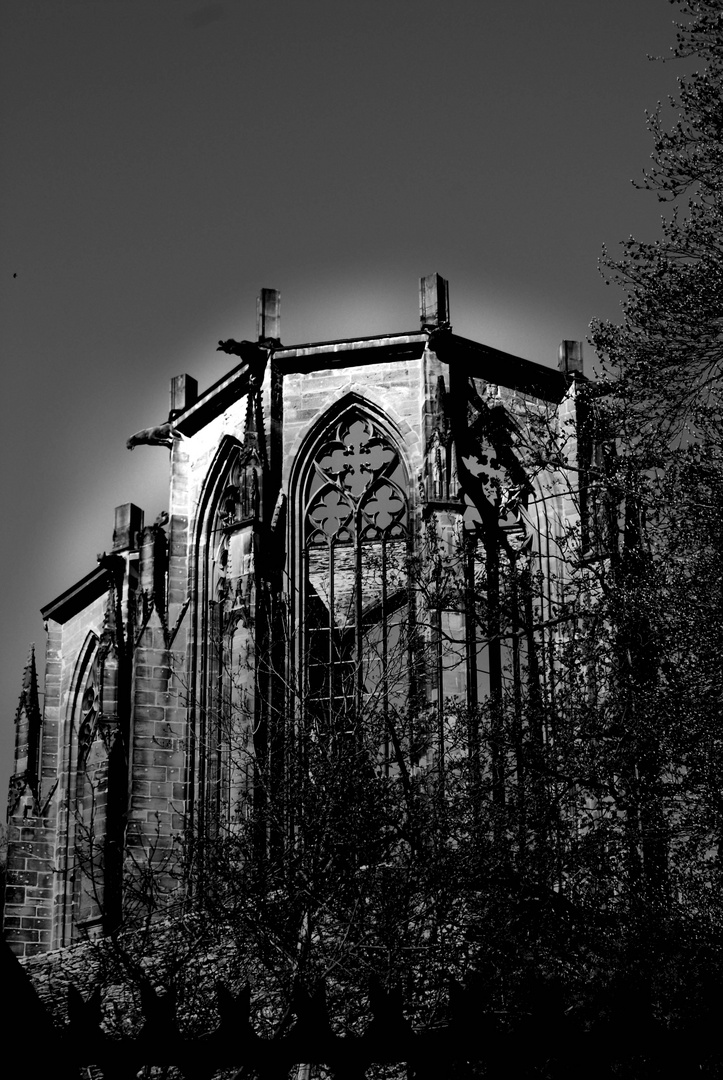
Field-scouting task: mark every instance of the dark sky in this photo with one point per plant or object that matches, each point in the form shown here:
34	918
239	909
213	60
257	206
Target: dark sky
164	159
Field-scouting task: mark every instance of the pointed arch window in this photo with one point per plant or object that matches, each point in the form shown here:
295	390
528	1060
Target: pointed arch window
355	532
90	801
228	702
100	792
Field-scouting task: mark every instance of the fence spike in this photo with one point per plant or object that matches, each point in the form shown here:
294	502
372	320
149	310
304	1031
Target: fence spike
84	1012
234	1008
159	1013
310	1007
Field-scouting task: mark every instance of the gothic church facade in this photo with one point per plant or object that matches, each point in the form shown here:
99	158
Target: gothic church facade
340	514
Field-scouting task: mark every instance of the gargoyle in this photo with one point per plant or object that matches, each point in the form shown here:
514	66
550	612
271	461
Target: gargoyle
248	351
163	435
253	354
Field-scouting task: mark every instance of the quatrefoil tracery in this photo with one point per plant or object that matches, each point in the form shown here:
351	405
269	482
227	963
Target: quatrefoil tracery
355	457
330	512
357	493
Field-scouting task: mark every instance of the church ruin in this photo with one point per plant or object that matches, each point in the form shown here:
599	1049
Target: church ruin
347	521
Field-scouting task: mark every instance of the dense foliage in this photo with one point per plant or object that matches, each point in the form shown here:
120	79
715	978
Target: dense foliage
658	710
666	355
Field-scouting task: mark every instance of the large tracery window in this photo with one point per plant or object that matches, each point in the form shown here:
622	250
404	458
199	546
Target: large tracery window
355	547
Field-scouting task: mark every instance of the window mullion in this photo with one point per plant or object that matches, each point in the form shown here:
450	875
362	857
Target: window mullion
330	673
358	589
470	623
385	657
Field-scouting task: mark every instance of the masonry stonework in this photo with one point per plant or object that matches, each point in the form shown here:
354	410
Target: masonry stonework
285	476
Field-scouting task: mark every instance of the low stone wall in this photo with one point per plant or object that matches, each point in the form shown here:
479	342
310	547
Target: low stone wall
174	959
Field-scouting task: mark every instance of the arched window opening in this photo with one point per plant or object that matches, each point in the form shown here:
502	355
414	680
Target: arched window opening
99	795
496	554
90	804
229	699
480	618
355	534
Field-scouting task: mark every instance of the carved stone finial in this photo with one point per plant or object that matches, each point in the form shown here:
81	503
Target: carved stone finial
268	317
434	302
28	723
29	699
127	525
570	357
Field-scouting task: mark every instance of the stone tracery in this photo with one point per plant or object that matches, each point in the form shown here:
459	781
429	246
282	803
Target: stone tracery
355	531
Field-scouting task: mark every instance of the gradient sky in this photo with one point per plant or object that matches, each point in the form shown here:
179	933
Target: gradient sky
164	159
